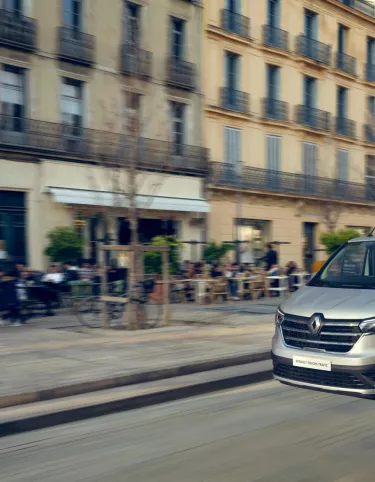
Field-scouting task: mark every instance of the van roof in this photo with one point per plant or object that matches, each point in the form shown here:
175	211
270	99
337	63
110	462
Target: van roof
362	238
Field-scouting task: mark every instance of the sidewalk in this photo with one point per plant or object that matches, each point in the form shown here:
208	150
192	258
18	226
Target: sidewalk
49	354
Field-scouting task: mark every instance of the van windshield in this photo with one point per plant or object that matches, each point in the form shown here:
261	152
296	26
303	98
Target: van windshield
352	267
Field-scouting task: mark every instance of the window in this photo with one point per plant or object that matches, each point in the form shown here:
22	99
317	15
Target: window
178	127
342	39
232	146
71	105
132	113
273	82
15	6
273	161
309	91
342	102
342	165
12	97
370	51
273	16
132	23
72	14
311	25
309	164
231	74
178	30
233	6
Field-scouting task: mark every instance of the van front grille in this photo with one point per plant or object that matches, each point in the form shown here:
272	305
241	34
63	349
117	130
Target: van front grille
338	336
319	377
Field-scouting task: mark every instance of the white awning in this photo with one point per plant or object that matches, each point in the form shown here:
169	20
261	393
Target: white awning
112	199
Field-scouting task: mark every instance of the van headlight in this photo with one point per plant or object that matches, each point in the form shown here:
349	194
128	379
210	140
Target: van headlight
279	317
367	326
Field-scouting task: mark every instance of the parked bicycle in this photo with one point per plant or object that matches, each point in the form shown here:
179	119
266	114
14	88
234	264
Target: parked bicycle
148	309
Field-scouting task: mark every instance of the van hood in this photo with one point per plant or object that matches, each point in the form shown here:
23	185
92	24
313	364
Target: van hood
332	303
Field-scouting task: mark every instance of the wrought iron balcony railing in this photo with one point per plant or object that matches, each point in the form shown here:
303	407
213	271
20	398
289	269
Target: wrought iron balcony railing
275	37
181	74
362	6
369	132
252	178
236	100
313	49
235	23
275	110
17	31
314	118
64	142
346	63
345	127
75	46
135	61
370	72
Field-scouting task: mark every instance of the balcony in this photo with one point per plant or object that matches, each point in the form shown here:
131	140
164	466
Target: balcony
256	179
362	6
75	46
345	127
313	49
17	31
49	140
370	72
275	37
180	74
275	110
235	100
135	61
314	118
346	63
235	23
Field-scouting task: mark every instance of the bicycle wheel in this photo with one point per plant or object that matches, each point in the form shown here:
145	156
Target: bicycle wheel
88	311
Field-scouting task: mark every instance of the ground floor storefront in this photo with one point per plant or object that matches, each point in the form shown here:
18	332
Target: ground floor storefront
292	224
38	197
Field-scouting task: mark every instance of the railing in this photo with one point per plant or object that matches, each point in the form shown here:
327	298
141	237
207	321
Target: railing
235	100
370	72
258	179
314	118
345	127
65	142
313	49
346	63
17	31
181	74
275	37
235	23
275	109
75	46
369	132
135	61
362	6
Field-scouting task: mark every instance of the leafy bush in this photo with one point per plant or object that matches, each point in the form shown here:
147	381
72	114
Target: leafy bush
333	240
64	244
215	252
153	260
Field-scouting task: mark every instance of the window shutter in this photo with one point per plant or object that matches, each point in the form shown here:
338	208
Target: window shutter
343	165
238	72
226	69
273	153
277	83
277	19
309	159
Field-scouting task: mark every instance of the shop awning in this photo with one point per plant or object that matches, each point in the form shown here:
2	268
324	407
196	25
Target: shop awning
111	199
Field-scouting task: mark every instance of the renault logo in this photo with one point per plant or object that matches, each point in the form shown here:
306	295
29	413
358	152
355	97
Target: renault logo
315	324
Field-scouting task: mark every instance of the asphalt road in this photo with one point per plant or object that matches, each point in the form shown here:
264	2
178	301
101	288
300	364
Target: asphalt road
262	433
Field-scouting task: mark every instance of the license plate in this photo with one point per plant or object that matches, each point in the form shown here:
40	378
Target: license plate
313	363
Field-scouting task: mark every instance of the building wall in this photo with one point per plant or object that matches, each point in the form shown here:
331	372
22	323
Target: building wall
280	209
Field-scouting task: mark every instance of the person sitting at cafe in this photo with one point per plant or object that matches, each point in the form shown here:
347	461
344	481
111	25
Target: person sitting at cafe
53	276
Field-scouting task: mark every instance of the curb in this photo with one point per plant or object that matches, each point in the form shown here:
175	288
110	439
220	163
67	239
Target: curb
132	379
131	403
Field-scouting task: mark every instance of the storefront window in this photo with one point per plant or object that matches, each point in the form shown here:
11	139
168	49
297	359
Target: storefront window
12	225
254	235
